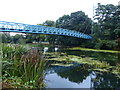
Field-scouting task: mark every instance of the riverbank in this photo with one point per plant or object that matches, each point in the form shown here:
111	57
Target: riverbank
95	50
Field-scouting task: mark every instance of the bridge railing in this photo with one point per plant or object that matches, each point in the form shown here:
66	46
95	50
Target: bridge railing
26	28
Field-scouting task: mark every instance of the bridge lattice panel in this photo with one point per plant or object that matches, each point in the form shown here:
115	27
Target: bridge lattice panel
26	28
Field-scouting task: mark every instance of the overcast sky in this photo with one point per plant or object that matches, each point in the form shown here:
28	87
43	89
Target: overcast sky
38	11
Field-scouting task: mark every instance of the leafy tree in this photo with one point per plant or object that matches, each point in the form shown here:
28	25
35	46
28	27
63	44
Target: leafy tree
49	23
50	38
108	21
77	21
19	39
6	38
107	27
30	38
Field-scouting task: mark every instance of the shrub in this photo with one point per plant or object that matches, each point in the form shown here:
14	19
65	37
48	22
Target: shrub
106	44
22	65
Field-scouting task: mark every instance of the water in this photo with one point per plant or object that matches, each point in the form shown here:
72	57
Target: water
111	58
81	76
56	81
78	77
64	77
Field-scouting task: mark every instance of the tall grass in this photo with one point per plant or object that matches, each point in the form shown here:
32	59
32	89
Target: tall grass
22	67
34	67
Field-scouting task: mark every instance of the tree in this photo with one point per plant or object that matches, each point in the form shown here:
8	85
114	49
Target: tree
6	38
19	39
77	21
108	21
107	27
30	38
50	38
49	23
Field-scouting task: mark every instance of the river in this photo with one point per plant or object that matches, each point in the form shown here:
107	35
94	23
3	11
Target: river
79	75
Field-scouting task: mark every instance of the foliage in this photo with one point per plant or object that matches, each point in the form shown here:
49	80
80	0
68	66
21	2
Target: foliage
19	69
35	38
50	38
34	69
77	21
6	38
49	23
106	44
19	39
106	28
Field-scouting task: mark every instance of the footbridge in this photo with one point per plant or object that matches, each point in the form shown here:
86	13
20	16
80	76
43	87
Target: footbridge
26	28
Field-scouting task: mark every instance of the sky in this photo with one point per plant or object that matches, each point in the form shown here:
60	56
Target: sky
38	11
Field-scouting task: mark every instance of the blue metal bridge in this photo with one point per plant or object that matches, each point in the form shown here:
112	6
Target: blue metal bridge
26	28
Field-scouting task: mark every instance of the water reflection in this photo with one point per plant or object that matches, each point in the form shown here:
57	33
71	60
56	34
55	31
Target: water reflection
74	77
106	80
80	77
76	74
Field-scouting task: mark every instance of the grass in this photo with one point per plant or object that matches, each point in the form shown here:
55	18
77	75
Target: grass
95	50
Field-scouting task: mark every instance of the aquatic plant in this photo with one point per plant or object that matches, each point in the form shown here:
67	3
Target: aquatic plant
117	70
34	67
22	67
11	51
96	65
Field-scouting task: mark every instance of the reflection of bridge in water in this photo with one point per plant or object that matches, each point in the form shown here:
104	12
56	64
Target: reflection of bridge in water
26	28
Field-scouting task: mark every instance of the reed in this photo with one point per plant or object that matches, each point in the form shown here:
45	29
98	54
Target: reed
34	67
22	67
